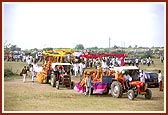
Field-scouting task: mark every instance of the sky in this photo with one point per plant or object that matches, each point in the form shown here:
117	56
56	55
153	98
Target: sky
64	25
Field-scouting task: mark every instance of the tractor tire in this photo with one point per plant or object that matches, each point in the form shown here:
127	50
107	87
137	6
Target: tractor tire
57	84
116	89
131	94
148	94
53	81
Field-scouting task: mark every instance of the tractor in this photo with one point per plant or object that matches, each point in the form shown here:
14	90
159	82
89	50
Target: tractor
112	79
61	76
50	58
118	86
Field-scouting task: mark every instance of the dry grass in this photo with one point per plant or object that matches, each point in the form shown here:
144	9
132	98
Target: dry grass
19	96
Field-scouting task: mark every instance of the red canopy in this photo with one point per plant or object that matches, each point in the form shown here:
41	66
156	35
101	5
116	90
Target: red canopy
122	56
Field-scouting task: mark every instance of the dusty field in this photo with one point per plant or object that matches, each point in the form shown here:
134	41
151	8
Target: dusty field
19	96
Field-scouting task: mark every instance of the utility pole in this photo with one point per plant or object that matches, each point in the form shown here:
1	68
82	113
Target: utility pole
124	46
109	44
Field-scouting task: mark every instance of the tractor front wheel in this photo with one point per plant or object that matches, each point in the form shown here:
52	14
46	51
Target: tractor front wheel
131	94
148	94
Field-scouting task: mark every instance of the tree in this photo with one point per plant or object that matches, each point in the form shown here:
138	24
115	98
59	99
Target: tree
79	47
130	46
7	46
136	46
14	48
115	47
48	49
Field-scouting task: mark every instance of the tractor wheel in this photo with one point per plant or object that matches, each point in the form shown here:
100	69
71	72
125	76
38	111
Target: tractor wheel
131	94
116	89
148	94
53	81
72	85
57	84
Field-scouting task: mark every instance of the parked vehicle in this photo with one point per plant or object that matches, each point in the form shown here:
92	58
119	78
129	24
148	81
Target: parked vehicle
151	79
136	87
61	78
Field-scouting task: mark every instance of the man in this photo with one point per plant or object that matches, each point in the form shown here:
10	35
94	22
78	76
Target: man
160	80
24	73
32	71
128	78
137	62
75	68
81	69
88	83
142	76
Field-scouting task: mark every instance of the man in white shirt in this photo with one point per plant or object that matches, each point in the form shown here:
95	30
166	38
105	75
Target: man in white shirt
137	62
81	69
75	68
160	80
142	76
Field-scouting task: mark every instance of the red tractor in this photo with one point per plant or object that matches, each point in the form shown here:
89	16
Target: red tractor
136	87
62	76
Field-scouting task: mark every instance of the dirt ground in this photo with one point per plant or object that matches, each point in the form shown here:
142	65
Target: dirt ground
29	96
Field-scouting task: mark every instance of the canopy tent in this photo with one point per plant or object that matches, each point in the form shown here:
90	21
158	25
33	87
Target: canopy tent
121	56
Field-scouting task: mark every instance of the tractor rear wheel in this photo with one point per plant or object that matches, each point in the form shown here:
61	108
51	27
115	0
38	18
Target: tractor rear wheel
116	89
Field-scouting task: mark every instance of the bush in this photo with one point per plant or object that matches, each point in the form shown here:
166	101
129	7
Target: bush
8	73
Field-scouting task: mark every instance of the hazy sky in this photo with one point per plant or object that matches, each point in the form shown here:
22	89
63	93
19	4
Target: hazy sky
64	25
